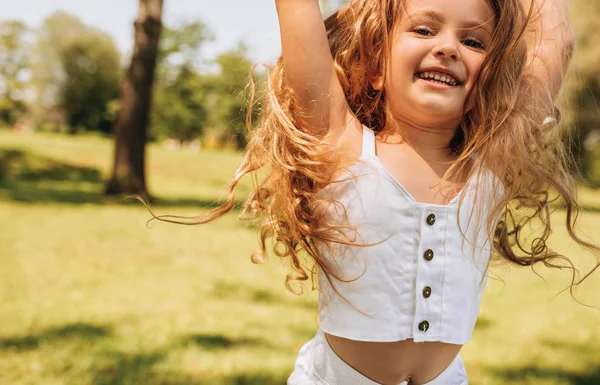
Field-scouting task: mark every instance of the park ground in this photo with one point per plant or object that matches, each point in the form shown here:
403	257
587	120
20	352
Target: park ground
90	295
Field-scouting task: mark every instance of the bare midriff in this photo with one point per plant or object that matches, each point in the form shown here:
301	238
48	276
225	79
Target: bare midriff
390	363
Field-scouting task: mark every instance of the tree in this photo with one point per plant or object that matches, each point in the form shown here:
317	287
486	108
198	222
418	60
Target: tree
179	107
230	103
76	69
179	110
14	65
47	75
91	64
182	44
583	89
131	124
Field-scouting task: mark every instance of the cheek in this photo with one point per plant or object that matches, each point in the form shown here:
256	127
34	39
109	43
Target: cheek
405	59
406	56
474	68
473	65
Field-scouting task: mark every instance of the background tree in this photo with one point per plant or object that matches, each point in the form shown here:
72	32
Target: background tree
76	69
180	94
47	77
583	90
92	70
179	106
229	103
182	44
131	124
15	41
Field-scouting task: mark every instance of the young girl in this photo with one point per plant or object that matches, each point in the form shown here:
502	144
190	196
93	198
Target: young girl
404	143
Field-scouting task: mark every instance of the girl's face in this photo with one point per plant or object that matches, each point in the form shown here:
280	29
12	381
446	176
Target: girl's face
437	51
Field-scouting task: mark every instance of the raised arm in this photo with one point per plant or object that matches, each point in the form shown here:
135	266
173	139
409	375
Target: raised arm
550	42
308	65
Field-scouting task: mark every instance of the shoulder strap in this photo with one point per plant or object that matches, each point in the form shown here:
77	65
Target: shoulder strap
368	143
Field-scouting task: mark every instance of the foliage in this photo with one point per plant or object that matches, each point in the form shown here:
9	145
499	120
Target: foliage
14	64
231	94
583	91
76	69
179	102
183	43
186	101
91	66
179	107
11	110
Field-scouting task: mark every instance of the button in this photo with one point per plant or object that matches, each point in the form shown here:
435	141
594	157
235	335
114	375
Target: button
426	292
431	219
428	255
424	326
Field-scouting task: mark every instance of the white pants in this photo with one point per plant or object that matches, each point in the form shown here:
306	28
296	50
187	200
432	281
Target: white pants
317	364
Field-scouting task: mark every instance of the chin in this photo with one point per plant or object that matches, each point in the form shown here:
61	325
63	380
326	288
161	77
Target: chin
440	114
429	112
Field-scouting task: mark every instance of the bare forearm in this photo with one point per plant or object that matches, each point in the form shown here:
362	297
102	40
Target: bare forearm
549	41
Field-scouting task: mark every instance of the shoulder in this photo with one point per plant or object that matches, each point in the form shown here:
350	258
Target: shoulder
484	185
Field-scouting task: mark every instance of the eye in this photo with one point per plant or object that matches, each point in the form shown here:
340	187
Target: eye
423	31
473	43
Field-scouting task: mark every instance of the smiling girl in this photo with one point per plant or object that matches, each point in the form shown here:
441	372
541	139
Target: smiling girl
404	147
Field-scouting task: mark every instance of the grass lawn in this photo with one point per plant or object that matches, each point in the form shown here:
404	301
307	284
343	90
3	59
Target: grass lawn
89	295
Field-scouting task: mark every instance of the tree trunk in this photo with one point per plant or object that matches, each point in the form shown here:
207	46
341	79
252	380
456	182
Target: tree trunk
131	124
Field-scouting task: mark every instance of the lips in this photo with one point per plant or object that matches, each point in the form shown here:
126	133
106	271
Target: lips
439	76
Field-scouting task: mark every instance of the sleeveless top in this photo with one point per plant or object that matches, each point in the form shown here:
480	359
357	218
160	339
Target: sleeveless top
413	274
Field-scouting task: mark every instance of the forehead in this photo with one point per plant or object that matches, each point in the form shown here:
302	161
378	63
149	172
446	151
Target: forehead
458	11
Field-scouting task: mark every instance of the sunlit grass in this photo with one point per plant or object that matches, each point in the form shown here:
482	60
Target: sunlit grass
89	295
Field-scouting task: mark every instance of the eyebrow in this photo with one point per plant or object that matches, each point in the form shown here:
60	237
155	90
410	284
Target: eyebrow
438	18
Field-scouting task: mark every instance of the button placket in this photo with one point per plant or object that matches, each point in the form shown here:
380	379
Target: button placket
430	273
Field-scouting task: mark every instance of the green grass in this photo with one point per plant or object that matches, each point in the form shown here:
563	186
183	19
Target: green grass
89	295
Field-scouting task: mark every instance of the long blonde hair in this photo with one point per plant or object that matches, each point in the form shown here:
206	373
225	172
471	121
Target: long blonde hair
508	108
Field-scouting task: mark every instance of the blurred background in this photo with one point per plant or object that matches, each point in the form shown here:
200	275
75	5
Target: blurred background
90	295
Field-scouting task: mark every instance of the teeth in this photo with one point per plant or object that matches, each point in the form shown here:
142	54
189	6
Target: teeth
442	78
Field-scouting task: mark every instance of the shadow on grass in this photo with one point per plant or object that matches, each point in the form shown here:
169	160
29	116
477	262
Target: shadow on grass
247	380
143	376
30	178
114	367
589	350
589	353
30	167
584	208
216	342
590	377
69	332
24	178
101	362
223	289
483	323
118	368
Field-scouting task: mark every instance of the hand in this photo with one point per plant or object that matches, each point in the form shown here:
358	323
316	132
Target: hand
549	41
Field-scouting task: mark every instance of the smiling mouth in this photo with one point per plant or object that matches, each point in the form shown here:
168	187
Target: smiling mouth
439	78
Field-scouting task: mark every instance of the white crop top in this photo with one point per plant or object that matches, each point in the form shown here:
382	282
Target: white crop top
423	280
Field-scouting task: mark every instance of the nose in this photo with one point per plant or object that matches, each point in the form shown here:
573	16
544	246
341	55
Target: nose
447	48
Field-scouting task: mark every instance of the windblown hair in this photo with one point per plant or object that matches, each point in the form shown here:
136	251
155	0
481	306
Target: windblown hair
503	125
